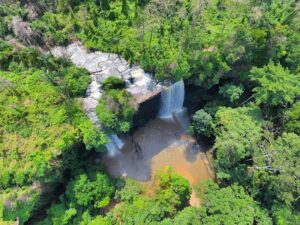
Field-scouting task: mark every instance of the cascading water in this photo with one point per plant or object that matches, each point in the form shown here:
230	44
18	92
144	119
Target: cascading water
114	145
172	99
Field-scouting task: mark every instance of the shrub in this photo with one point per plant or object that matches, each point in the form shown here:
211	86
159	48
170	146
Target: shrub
113	83
76	79
202	123
20	204
116	111
231	92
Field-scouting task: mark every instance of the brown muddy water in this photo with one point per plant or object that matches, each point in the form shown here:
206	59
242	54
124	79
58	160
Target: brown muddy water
159	144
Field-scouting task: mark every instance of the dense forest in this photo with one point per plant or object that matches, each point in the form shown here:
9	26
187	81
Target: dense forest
241	58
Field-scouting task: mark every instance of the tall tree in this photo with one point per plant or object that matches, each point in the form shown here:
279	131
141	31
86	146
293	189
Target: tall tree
276	86
231	205
237	134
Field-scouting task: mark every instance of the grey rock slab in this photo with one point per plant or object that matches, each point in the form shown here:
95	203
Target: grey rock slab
103	65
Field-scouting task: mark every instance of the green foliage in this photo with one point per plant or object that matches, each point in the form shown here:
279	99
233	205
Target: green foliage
130	192
292	117
99	220
247	46
238	132
116	111
7	11
93	190
76	80
188	216
284	216
231	205
283	186
36	118
141	211
20	203
171	195
172	190
92	137
203	123
113	82
276	86
84	196
155	34
57	28
231	92
39	122
211	68
5	53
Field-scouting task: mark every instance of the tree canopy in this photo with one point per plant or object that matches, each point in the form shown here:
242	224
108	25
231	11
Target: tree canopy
240	62
276	86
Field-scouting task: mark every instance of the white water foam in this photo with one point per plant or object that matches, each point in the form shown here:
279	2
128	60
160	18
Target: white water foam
172	99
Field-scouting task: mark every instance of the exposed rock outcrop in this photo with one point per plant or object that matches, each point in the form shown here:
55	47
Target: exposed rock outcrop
103	65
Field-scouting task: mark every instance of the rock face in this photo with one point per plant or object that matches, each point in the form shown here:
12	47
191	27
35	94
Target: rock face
103	65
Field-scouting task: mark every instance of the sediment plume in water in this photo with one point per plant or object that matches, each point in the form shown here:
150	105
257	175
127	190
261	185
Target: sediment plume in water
158	144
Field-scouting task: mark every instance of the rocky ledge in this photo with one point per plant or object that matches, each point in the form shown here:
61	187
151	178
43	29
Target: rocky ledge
103	65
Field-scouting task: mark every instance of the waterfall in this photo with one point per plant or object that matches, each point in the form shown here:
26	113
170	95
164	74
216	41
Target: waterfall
114	145
172	99
182	119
